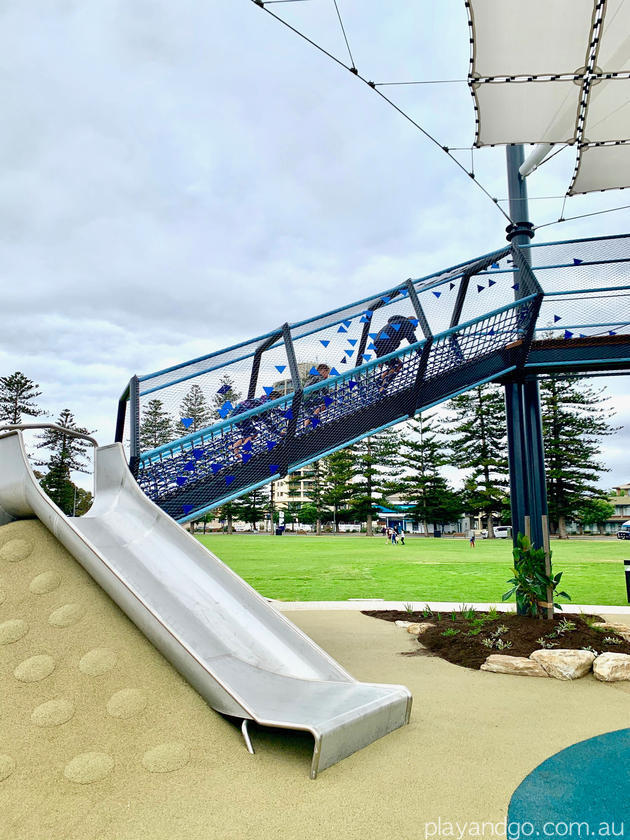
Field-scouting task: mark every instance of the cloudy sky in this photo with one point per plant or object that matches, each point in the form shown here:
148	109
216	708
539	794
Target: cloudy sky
177	177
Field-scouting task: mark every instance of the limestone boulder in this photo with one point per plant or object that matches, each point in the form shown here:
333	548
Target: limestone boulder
403	623
612	667
419	629
564	664
520	665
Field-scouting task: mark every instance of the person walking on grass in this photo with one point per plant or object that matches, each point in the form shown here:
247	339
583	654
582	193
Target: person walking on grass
472	539
394	536
401	535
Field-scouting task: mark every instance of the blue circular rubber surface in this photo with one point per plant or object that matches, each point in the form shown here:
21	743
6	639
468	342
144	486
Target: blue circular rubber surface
583	791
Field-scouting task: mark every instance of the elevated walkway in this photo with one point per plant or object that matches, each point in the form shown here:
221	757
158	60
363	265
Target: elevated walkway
559	307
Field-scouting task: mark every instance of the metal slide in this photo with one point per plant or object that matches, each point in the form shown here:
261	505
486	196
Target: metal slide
244	657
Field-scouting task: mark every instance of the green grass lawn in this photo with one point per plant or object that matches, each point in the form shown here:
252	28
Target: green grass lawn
336	568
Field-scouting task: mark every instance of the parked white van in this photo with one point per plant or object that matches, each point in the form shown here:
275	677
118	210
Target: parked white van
501	532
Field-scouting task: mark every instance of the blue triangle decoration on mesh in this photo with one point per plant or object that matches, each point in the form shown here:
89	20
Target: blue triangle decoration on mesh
494	265
557	318
352	384
395	326
328	401
324	341
492	283
188	508
349	353
348	322
313	371
371	346
190	466
247	457
451	286
225	409
414	321
342	329
437	294
480	288
315	421
344	361
364	319
247	447
577	262
229	479
288	414
187	422
372	335
197	453
224	389
352	341
516	287
568	334
273	469
281	368
334	372
366	357
271	444
216	468
385	299
611	332
181	480
268	389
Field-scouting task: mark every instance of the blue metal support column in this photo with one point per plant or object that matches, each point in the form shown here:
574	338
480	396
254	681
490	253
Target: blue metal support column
525	441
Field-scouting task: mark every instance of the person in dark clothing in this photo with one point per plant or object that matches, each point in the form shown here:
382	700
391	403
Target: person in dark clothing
388	340
316	403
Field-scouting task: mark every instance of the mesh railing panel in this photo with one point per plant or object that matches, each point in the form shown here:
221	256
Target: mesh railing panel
270	407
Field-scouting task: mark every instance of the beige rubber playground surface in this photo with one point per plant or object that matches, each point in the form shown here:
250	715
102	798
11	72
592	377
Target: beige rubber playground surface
101	738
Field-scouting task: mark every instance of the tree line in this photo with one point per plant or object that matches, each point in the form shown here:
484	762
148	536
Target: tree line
64	454
469	433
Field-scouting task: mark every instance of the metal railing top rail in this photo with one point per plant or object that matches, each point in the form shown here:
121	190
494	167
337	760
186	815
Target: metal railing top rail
19	427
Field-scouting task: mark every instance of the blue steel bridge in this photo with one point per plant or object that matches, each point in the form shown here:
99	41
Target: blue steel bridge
508	316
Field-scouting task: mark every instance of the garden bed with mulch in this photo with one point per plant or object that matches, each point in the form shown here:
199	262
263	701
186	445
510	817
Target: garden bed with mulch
468	637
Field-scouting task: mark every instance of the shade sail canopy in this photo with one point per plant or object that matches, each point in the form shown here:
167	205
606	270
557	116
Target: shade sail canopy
555	71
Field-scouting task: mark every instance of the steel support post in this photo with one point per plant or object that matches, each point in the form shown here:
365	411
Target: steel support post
519	478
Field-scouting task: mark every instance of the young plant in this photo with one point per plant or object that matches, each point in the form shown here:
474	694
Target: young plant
564	626
612	640
544	642
408	608
453	616
591	648
530	582
492	614
449	632
427	612
489	643
501	644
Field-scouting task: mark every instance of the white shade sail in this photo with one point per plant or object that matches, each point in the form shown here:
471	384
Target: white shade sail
555	71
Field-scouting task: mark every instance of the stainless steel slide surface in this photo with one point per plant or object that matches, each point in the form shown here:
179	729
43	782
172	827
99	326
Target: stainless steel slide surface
243	656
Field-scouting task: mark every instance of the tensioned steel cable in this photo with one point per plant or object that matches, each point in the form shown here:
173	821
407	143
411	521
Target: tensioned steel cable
583	216
263	5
